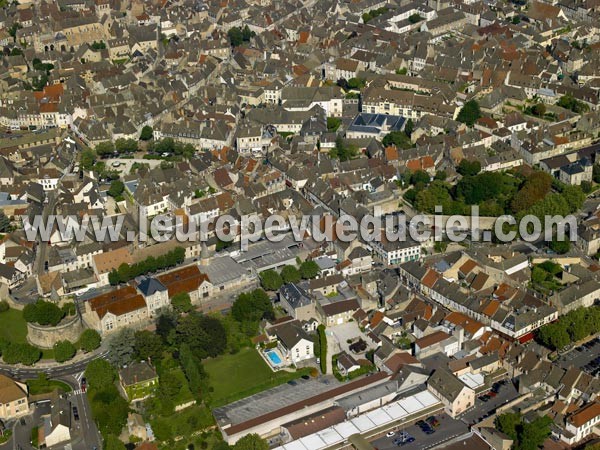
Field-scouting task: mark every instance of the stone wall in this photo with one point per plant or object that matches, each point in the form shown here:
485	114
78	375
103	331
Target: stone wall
46	336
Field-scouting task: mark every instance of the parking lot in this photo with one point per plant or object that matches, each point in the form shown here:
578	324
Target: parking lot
483	409
585	357
448	429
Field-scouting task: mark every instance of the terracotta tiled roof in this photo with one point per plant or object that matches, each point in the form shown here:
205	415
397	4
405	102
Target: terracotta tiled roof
186	279
585	414
118	302
431	339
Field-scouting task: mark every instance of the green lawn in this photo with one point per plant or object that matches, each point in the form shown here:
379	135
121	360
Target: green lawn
245	373
44	386
13	327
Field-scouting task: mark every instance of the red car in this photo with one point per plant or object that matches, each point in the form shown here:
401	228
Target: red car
491	394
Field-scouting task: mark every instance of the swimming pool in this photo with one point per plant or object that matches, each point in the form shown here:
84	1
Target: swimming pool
274	357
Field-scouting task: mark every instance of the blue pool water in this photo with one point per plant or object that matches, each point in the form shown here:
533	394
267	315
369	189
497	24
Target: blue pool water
274	357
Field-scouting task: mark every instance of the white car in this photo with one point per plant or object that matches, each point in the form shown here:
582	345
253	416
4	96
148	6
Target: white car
390	433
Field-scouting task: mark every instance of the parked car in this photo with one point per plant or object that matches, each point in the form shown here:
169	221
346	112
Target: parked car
404	438
75	413
491	394
390	434
432	421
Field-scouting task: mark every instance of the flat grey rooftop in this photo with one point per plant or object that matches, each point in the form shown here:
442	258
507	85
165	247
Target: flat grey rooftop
270	400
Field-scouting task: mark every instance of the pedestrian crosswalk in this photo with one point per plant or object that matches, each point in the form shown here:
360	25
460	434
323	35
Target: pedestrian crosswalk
77	392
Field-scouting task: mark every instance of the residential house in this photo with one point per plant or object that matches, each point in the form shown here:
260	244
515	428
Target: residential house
139	380
297	302
13	398
453	393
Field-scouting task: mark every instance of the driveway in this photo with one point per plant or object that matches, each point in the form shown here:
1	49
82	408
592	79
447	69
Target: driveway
344	332
448	429
507	393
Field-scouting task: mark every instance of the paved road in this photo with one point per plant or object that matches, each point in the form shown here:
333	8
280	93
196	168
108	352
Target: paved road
449	428
84	433
88	435
507	393
56	371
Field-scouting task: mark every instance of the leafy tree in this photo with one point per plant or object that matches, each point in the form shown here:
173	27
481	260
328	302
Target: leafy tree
554	335
290	274
5	225
105	148
440	246
440	175
121	347
4	306
64	351
270	280
123	145
508	423
398	138
13	30
538	109
148	345
99	373
222	445
69	309
532	435
165	326
205	335
586	186
96	46
356	83
181	302
468	168
516	20
21	353
486	186
596	173
116	189
370	15
43	312
109	409
574	196
333	123
342	150
251	442
89	340
535	188
569	102
88	157
112	442
415	18
252	307
409	127
539	275
192	368
402	71
147	133
238	36
419	176
560	247
469	113
309	270
322	347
